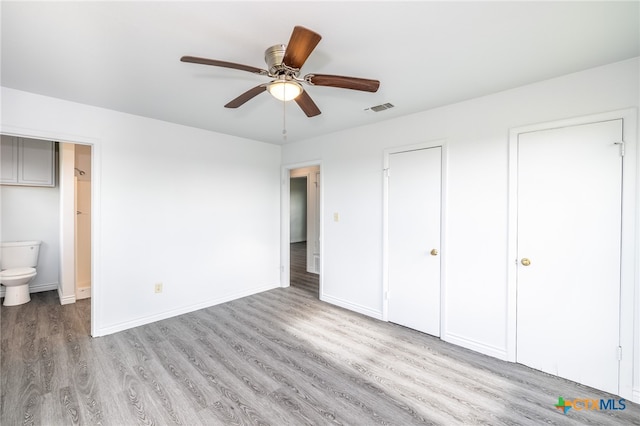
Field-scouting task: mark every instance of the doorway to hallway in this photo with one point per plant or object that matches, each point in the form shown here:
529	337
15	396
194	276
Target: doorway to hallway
300	238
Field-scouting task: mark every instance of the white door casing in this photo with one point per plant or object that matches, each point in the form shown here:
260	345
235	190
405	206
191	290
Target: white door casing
313	252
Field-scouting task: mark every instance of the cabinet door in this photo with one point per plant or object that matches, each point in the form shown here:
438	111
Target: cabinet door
36	162
9	160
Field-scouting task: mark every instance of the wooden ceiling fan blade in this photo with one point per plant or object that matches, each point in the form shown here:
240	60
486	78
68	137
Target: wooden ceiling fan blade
223	64
300	46
307	105
246	96
353	83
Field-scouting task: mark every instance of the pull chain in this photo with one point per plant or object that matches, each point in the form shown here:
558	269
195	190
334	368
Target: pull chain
284	121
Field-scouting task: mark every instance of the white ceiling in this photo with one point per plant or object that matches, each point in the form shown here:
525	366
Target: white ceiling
125	55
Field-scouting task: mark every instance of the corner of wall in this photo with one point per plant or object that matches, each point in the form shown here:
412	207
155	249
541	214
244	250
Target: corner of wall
66	300
351	306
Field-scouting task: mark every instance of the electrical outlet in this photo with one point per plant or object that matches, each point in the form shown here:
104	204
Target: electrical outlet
158	288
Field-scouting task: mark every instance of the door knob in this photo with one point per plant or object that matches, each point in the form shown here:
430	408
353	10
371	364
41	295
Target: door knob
434	252
525	261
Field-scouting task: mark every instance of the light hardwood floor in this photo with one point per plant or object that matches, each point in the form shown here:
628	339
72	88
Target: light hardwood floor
281	357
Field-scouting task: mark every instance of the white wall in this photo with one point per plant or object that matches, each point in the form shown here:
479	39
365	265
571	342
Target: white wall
195	210
476	134
83	234
82	162
298	209
67	288
32	213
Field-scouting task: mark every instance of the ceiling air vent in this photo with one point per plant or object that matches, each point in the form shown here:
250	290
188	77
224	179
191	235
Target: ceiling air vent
379	108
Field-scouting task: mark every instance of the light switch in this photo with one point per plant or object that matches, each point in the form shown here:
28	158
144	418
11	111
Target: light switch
336	217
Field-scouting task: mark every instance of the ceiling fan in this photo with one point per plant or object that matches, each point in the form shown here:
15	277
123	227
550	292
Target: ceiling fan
284	62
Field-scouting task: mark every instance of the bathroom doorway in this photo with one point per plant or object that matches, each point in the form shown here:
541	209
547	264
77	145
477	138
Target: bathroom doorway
52	219
76	181
59	215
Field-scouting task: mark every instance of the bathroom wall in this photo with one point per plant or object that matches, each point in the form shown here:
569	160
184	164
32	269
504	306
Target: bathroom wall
83	221
32	213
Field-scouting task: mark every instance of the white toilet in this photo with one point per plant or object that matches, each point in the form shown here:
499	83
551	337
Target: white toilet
18	261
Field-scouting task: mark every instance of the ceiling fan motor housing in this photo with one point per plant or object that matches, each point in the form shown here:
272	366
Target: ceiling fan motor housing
274	56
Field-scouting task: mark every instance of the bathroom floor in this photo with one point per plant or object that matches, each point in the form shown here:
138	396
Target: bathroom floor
44	317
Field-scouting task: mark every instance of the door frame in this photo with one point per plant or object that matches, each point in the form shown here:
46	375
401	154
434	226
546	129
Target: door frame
67	215
313	212
442	143
629	251
285	217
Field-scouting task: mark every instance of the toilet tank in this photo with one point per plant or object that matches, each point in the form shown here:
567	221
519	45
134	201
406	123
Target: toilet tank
19	254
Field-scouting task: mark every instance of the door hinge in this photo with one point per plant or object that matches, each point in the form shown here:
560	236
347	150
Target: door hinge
619	353
387	172
621	143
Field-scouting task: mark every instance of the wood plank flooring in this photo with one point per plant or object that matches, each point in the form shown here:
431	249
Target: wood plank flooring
281	357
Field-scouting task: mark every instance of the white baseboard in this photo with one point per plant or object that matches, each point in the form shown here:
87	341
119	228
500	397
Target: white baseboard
35	288
474	345
66	300
83	292
114	328
351	306
636	395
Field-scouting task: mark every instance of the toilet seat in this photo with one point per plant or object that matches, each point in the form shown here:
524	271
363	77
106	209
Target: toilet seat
17	272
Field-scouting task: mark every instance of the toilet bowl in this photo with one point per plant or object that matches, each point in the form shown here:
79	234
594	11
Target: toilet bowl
17	281
18	260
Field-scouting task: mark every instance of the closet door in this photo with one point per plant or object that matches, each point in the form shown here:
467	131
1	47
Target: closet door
569	239
414	193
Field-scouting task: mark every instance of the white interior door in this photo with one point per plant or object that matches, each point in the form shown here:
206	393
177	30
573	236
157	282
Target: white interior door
569	236
414	191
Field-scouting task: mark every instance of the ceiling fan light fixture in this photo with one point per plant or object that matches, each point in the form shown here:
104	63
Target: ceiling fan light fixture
284	64
284	90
